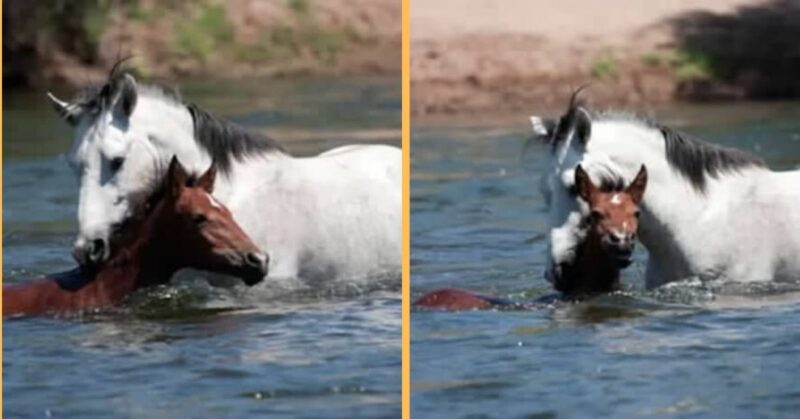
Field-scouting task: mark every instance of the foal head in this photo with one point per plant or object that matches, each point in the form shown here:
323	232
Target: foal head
613	213
602	240
192	229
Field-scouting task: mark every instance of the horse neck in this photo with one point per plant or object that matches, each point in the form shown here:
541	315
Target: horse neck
593	270
176	137
170	128
671	206
152	251
142	260
74	290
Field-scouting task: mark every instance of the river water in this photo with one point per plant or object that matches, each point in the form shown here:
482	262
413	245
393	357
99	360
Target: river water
687	350
189	349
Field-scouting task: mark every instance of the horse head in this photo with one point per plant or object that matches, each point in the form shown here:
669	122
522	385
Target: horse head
119	154
192	229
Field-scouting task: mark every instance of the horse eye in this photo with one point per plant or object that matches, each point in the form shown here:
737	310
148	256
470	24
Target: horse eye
637	213
199	219
595	216
116	164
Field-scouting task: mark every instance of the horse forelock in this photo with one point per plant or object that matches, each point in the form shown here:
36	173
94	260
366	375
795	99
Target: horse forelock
96	97
611	183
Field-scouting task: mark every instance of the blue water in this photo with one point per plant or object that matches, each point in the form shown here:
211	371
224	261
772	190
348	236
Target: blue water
190	349
687	350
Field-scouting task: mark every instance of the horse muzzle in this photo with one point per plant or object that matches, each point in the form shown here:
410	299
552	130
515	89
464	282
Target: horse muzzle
90	252
623	254
256	268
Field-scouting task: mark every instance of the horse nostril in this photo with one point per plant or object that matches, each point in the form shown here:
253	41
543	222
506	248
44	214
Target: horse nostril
613	238
627	247
97	250
257	260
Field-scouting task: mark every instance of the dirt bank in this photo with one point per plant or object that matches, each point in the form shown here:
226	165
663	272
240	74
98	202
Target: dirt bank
472	56
71	42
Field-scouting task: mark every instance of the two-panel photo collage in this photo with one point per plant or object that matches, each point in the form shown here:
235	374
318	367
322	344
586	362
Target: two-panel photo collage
400	209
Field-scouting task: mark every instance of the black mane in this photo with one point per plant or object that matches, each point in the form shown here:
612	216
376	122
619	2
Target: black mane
696	159
223	140
226	141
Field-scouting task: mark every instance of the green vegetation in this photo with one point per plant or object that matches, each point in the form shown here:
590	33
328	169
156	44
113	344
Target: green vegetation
201	33
204	34
653	59
94	21
286	42
692	65
604	67
304	38
300	7
138	13
83	20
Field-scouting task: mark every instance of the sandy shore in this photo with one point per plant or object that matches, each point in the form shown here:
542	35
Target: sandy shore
203	38
481	55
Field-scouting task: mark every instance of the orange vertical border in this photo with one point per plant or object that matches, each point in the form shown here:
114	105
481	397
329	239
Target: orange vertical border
406	305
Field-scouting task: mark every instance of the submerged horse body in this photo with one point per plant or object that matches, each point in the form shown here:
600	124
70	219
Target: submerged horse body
335	215
709	212
599	239
180	226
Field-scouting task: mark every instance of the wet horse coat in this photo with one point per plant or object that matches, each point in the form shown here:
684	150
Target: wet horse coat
332	216
180	227
600	241
710	212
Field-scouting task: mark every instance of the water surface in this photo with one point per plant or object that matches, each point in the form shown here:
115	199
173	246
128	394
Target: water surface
189	349
687	350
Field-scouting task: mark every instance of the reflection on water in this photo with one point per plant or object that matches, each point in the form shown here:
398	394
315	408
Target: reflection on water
479	222
190	349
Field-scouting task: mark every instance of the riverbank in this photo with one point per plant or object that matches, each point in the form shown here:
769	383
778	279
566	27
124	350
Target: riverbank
482	56
73	42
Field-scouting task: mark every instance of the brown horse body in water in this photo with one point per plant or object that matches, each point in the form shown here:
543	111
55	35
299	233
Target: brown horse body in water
181	226
605	238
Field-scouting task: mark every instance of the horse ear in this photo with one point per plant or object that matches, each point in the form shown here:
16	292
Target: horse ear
583	124
69	112
542	128
176	177
206	181
577	120
124	95
637	187
583	184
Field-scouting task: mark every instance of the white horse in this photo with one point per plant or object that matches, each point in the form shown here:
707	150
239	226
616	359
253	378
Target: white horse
333	216
709	212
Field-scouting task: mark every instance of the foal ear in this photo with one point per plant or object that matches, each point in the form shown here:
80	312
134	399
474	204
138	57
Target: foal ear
637	187
125	96
206	181
69	112
583	184
176	177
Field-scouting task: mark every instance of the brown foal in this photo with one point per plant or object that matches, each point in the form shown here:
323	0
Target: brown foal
606	237
181	226
610	235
